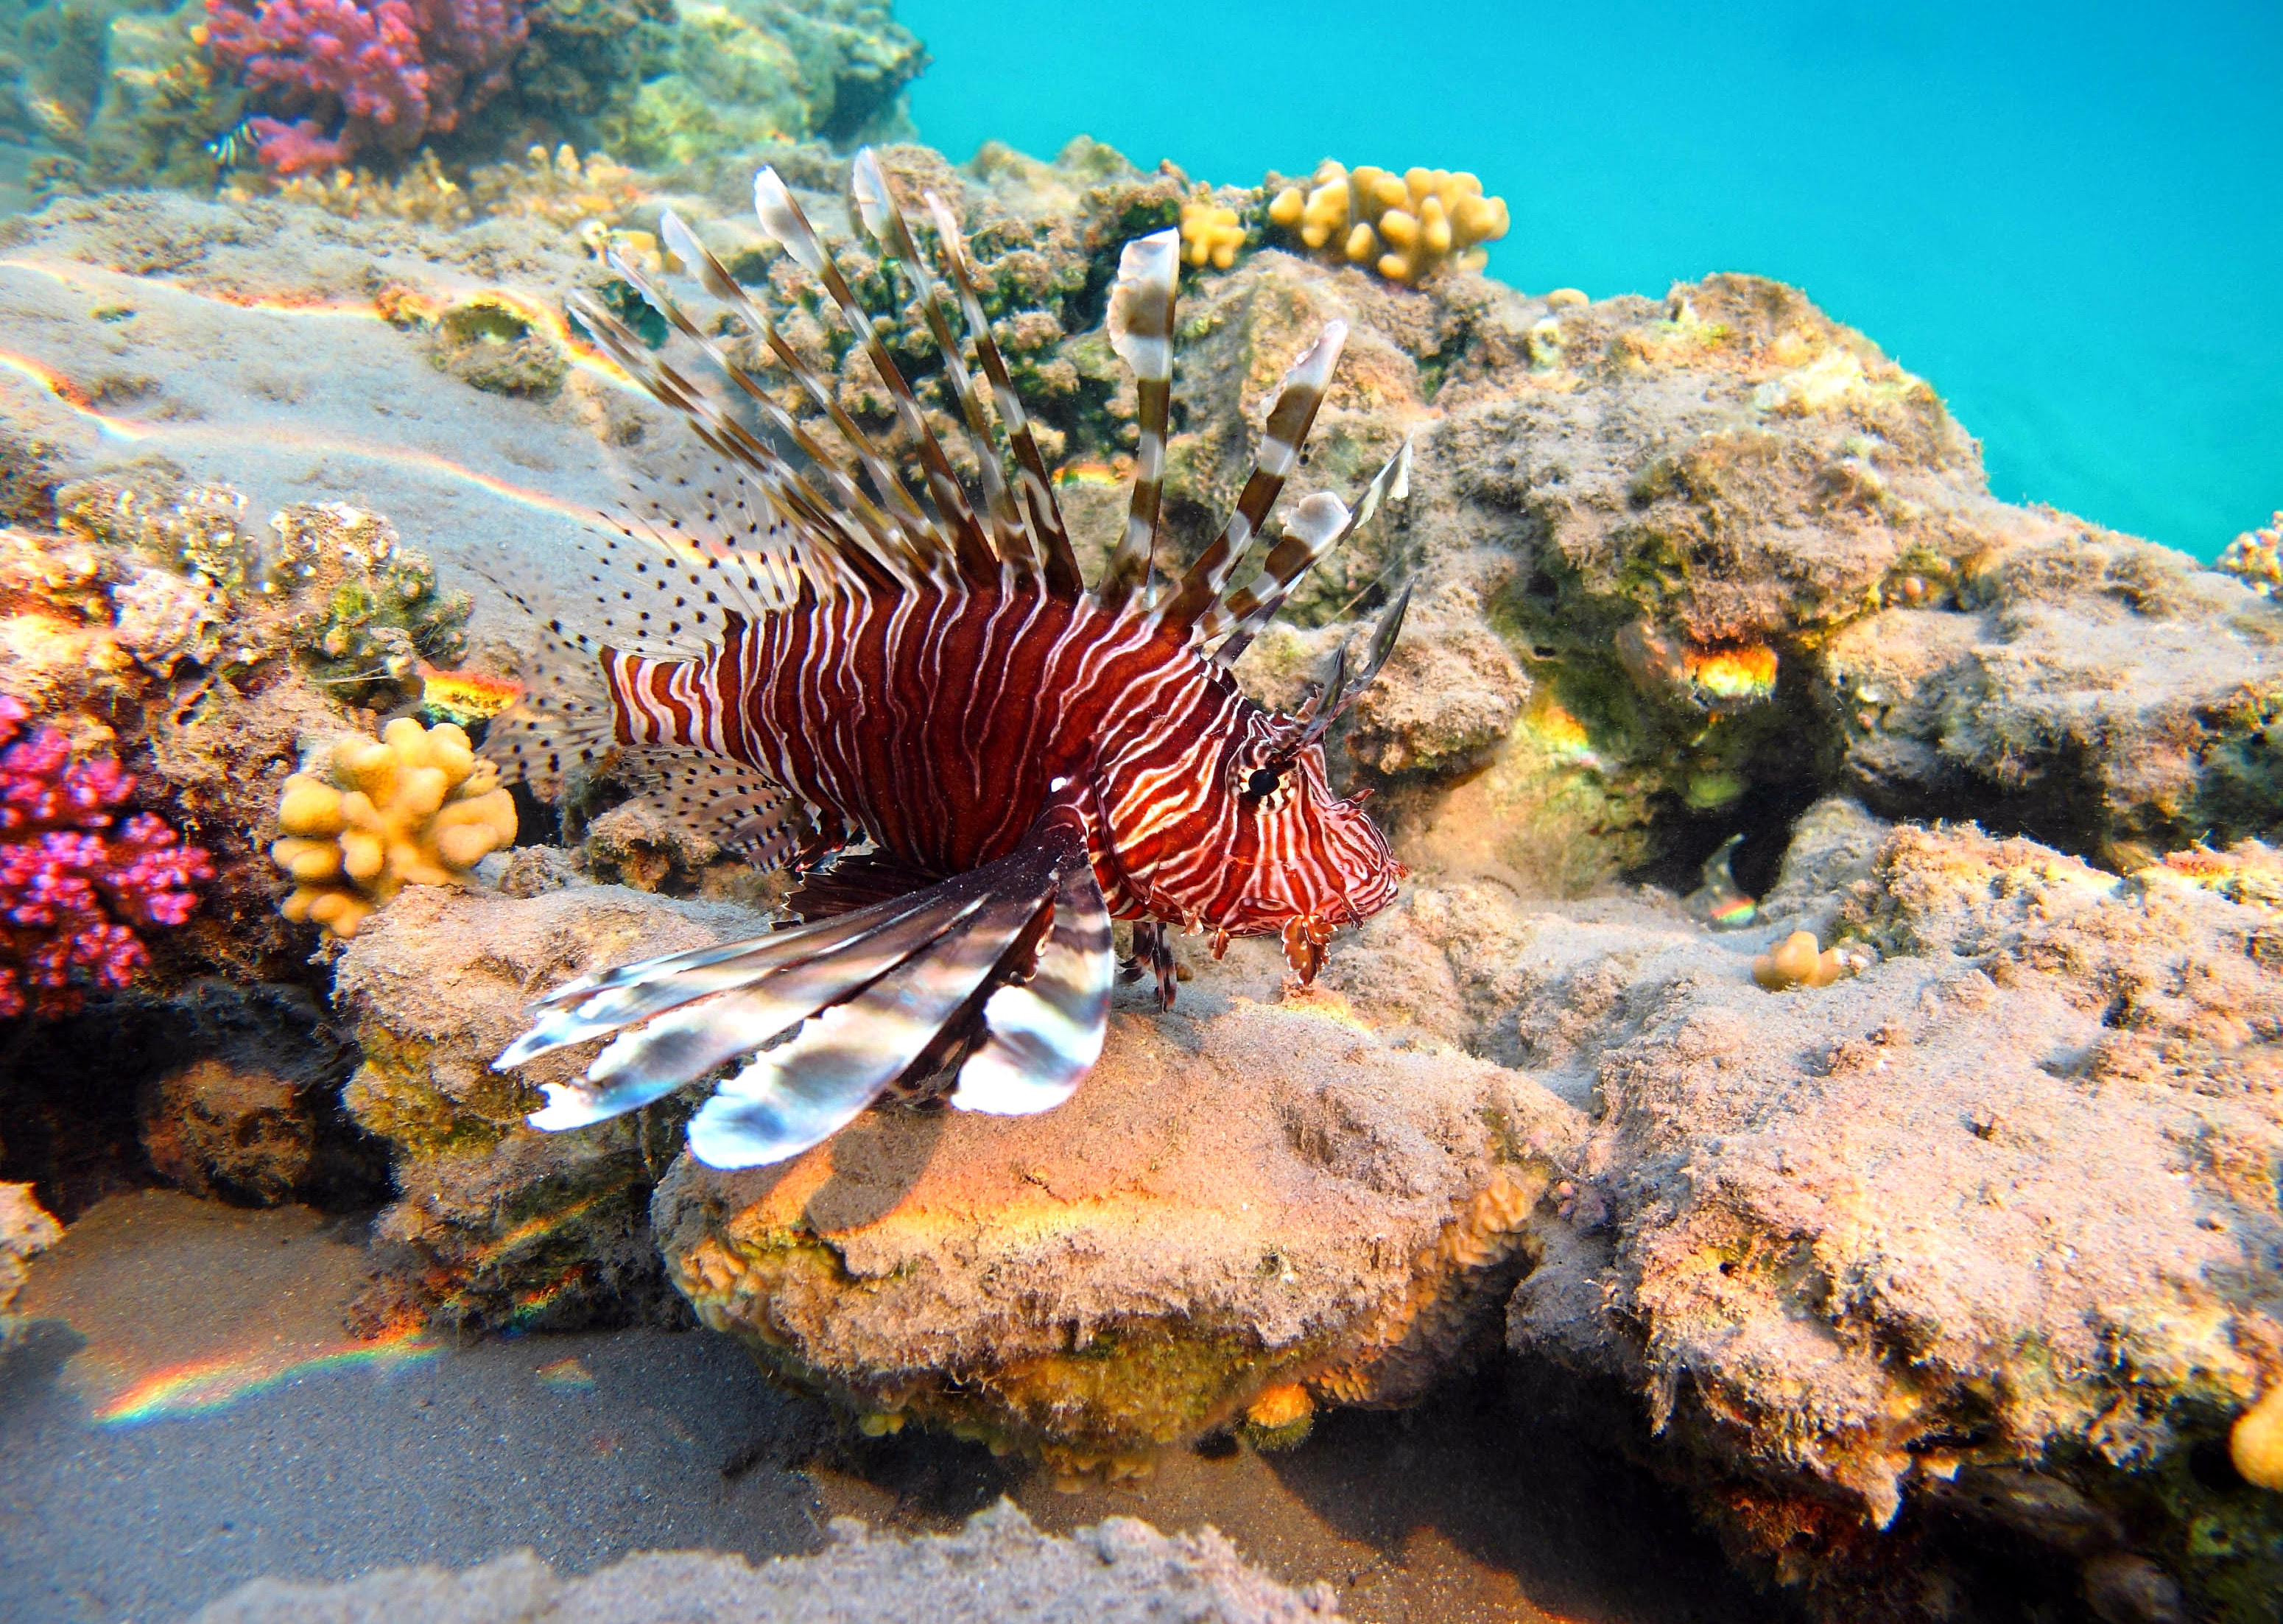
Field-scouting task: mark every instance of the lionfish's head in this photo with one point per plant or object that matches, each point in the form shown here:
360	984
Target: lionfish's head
1303	862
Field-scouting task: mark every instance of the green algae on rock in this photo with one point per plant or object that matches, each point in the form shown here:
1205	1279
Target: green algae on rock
496	1223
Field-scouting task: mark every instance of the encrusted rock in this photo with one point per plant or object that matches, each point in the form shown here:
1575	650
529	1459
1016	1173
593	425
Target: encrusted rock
26	1230
2003	1203
1247	1207
497	1223
998	1567
212	1128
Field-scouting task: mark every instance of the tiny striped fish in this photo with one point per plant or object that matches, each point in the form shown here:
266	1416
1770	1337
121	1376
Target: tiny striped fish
906	691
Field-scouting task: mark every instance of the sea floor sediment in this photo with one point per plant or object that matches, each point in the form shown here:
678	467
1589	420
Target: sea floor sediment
184	1412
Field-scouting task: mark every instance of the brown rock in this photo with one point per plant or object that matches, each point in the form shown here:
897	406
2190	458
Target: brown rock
497	1223
1243	1196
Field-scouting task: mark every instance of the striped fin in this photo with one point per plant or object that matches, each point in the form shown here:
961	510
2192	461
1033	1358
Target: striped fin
1043	1034
1282	437
782	218
1153	955
564	718
1042	512
1341	690
1318	523
802	1093
854	882
784	487
886	990
914	534
729	803
1141	332
876	205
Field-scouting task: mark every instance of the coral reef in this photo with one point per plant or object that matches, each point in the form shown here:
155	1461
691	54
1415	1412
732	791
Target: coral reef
76	885
496	1223
1248	1210
245	1132
350	78
999	1566
2256	559
414	808
25	1232
1990	1212
1406	227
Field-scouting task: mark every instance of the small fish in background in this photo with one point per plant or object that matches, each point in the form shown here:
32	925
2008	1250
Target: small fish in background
234	146
464	697
974	759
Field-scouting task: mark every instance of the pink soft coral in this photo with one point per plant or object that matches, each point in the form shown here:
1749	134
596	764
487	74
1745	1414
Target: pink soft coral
355	78
71	891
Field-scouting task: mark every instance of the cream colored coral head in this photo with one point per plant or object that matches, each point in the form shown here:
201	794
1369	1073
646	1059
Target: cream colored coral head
414	807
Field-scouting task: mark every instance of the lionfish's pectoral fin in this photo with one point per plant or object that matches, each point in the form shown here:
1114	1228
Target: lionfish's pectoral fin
1042	1035
886	991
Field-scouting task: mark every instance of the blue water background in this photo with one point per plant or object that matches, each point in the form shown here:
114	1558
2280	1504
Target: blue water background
2067	217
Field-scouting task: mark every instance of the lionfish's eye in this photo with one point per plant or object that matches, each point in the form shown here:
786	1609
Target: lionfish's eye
1264	781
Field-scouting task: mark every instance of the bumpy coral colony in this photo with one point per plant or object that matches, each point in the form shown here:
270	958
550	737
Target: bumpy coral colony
1025	757
73	891
417	809
1406	227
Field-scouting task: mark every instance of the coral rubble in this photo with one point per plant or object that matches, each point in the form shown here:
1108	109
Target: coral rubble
25	1231
999	1566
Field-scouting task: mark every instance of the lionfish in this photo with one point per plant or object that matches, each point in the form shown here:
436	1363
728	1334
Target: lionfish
972	761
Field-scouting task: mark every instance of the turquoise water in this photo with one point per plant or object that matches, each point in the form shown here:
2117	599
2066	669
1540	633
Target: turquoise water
2067	217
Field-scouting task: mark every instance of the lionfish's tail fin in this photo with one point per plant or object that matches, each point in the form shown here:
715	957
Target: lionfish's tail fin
891	991
1039	507
1141	332
781	217
1282	437
1317	524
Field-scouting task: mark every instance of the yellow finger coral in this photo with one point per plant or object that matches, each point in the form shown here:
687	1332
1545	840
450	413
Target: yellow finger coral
1210	233
2256	559
2255	1441
414	808
1797	961
1405	226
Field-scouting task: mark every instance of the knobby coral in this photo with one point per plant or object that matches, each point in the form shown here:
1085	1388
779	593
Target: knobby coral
1210	233
2256	559
1406	226
73	893
353	78
414	808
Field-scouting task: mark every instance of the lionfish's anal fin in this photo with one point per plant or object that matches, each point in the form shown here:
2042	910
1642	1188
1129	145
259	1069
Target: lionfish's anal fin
854	881
737	807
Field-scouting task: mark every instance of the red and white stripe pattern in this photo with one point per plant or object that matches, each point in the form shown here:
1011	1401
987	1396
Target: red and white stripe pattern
1028	758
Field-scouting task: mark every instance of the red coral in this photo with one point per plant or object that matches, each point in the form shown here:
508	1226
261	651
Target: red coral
354	78
70	892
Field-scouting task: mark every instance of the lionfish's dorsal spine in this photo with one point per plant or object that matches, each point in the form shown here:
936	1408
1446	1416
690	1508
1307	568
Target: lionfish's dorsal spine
1282	437
781	216
1141	332
1318	523
876	207
1052	539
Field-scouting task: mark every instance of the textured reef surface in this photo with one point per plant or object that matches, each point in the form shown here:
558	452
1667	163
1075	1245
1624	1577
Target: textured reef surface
1934	1257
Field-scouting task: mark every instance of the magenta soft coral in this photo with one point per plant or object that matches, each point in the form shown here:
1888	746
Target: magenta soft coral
353	78
73	891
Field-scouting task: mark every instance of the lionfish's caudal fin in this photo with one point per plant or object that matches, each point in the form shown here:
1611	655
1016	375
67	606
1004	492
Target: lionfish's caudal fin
1008	965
